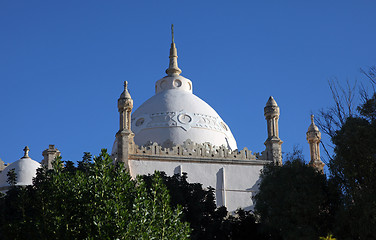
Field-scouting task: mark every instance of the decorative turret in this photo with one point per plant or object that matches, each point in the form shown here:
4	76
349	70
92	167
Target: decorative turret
49	156
273	143
313	138
124	136
125	106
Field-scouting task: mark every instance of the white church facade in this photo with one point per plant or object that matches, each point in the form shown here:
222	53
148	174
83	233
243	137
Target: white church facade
175	131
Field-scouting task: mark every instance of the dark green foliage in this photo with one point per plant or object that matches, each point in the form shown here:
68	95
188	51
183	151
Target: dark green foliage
294	201
98	200
368	109
244	225
12	177
353	170
86	162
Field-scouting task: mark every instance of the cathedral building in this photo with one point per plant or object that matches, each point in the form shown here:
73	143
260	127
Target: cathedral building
175	131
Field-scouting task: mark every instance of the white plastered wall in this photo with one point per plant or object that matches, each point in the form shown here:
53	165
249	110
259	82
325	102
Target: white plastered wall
235	184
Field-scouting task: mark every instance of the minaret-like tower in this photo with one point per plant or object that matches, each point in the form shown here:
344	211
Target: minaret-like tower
124	136
273	143
49	156
313	138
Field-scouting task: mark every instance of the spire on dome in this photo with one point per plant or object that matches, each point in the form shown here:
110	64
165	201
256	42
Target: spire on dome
173	68
26	150
172	33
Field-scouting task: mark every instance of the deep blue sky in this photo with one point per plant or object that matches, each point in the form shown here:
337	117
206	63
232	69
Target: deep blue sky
63	63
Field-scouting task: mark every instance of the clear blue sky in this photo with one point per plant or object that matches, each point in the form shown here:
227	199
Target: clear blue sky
63	63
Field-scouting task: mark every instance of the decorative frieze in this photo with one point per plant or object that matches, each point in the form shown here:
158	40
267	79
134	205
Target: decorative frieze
195	150
185	120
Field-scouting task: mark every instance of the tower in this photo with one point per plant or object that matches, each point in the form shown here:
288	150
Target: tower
313	138
273	143
124	137
49	156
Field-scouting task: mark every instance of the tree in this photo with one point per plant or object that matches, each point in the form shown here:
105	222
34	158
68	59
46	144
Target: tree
345	99
12	177
353	170
98	200
331	119
295	201
353	164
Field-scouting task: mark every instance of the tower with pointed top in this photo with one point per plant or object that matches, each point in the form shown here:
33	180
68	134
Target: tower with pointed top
124	136
313	138
273	143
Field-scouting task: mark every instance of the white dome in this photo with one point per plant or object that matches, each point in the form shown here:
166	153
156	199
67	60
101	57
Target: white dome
25	169
175	114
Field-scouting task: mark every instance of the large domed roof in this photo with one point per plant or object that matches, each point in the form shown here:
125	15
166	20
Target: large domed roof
25	169
174	114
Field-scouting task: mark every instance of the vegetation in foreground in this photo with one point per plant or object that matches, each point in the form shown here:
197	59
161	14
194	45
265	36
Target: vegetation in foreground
96	200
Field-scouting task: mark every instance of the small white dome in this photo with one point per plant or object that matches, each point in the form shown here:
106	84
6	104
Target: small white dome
25	169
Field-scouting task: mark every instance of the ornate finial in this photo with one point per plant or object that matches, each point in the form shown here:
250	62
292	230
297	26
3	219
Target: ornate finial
26	150
313	127
125	93
173	68
172	32
125	85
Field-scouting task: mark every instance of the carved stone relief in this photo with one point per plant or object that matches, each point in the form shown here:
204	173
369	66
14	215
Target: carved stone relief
192	149
182	119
